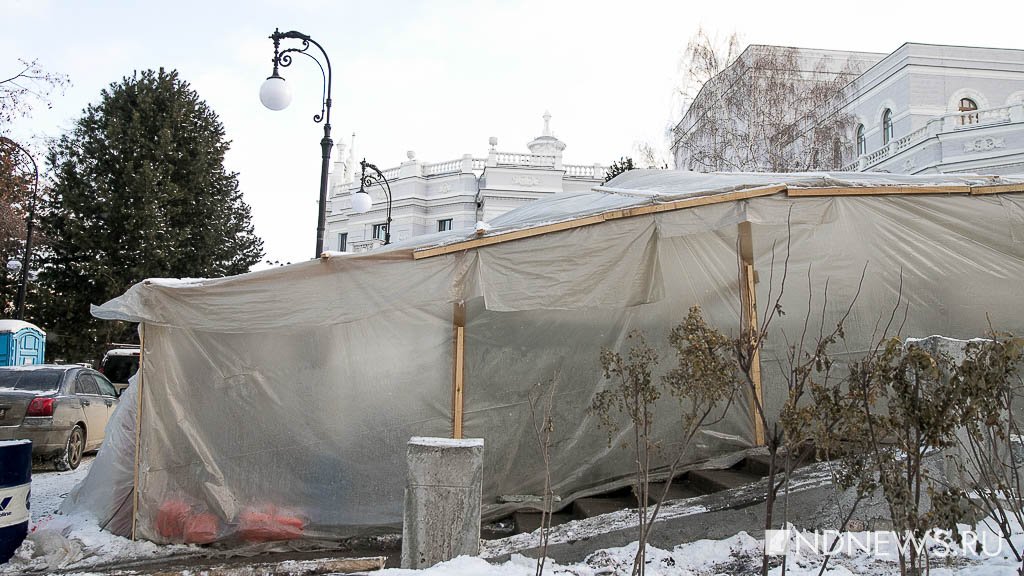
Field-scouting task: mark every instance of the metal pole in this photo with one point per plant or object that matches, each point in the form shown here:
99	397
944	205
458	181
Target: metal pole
321	221
369	180
29	226
284	59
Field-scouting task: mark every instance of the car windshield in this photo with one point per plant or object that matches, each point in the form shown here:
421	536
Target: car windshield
31	380
120	368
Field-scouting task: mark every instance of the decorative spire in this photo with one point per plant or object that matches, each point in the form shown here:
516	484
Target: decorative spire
546	143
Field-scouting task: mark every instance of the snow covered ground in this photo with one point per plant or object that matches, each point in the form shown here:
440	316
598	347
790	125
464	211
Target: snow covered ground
77	543
739	554
60	542
50	488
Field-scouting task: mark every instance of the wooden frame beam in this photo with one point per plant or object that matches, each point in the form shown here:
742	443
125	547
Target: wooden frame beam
139	383
877	190
748	318
996	189
712	199
597	219
458	367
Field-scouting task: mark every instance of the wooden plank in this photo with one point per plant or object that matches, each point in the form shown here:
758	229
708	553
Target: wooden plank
458	368
598	218
877	190
997	189
755	363
748	317
289	567
138	426
506	237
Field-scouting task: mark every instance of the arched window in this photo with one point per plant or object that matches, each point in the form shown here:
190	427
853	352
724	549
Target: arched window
968	111
886	126
862	144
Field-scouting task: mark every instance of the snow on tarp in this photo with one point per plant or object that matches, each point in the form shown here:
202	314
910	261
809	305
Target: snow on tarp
285	398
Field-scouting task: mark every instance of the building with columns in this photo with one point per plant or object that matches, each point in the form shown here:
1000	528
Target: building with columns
926	109
431	197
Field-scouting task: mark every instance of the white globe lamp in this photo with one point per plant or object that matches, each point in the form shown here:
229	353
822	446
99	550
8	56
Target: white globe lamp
275	93
361	202
14	265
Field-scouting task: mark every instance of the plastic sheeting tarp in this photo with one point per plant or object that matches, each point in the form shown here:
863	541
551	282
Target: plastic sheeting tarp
106	492
279	403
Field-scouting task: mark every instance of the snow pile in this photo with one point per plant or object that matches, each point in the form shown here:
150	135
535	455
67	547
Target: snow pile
741	554
735	555
50	488
75	542
63	542
59	542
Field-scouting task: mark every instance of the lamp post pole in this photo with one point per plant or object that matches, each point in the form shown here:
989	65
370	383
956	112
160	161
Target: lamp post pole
361	201
275	95
29	226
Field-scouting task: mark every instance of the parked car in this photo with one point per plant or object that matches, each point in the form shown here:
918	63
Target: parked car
119	364
62	409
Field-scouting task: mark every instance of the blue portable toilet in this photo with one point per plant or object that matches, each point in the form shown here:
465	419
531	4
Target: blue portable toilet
21	343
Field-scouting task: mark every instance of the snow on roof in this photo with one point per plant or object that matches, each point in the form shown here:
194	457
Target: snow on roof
629	194
649	187
31	367
15	325
123	352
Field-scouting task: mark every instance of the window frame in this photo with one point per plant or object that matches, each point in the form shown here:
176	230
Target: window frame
887	127
862	141
103	383
966	116
342	241
442	222
82	385
379	231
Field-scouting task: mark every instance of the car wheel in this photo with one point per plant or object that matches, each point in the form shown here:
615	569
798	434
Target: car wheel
72	455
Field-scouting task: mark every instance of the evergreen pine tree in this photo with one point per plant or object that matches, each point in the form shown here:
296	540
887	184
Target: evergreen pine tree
139	191
624	164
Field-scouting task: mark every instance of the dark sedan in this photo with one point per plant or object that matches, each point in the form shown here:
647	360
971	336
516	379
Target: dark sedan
62	409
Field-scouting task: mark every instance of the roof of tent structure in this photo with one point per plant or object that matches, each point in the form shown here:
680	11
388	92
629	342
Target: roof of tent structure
634	193
649	191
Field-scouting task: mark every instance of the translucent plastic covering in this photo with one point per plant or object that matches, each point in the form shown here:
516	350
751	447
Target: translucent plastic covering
277	404
106	492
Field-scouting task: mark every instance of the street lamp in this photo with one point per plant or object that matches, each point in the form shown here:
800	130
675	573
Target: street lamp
276	95
29	225
361	201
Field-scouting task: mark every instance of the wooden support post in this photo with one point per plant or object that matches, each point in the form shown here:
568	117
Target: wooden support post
459	354
138	426
748	298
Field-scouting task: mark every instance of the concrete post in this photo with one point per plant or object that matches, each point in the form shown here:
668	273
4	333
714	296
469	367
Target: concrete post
442	500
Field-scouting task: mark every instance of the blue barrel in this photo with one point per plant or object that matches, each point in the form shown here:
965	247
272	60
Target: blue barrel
15	483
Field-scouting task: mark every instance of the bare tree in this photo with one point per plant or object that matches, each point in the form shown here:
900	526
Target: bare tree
29	85
20	90
767	108
542	405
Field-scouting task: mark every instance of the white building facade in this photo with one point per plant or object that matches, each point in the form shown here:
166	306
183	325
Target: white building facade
437	196
927	109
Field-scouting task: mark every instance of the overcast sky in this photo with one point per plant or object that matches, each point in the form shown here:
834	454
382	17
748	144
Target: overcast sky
438	77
